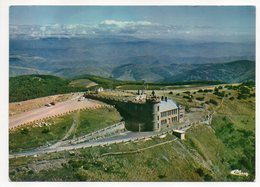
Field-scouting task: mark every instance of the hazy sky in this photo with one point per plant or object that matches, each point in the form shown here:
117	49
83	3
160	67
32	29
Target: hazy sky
176	20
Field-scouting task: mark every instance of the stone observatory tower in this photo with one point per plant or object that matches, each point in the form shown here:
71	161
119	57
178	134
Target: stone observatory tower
155	102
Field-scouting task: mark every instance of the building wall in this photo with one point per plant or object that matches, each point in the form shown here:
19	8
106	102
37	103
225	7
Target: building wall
168	117
181	113
156	120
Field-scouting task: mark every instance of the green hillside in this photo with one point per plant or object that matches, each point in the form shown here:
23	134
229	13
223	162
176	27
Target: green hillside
33	86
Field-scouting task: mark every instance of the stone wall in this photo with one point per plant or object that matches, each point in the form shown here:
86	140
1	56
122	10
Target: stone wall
137	116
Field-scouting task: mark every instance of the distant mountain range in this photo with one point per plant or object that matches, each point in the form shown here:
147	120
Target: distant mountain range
236	71
129	58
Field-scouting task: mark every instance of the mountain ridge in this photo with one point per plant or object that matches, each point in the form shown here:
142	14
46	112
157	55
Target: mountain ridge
129	58
236	71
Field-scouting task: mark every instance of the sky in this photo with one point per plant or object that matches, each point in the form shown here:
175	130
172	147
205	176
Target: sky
220	22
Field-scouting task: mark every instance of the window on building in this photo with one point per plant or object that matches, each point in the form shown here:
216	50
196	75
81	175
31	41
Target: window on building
163	122
158	108
163	114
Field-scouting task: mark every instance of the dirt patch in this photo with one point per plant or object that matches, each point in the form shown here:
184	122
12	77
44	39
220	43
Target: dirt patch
47	164
23	106
82	83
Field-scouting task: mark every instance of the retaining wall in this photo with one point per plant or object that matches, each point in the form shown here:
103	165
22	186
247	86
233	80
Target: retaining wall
136	115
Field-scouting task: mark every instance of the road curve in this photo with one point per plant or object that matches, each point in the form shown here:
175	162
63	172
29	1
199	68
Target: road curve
44	112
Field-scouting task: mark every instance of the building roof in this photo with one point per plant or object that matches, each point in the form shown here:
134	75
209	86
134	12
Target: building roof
167	105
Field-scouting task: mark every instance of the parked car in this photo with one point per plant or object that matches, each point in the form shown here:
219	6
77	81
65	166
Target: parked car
81	98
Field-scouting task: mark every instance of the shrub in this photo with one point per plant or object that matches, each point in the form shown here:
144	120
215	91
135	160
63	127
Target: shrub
244	90
30	172
45	131
200	172
52	103
220	94
186	97
161	176
200	98
170	92
241	96
187	92
249	84
208	177
207	90
214	102
12	173
25	131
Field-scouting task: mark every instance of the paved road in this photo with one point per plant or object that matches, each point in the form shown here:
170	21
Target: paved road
121	137
43	112
127	136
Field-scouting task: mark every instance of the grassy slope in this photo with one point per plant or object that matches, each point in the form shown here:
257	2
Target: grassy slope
175	161
92	120
89	120
33	86
35	137
234	124
82	83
